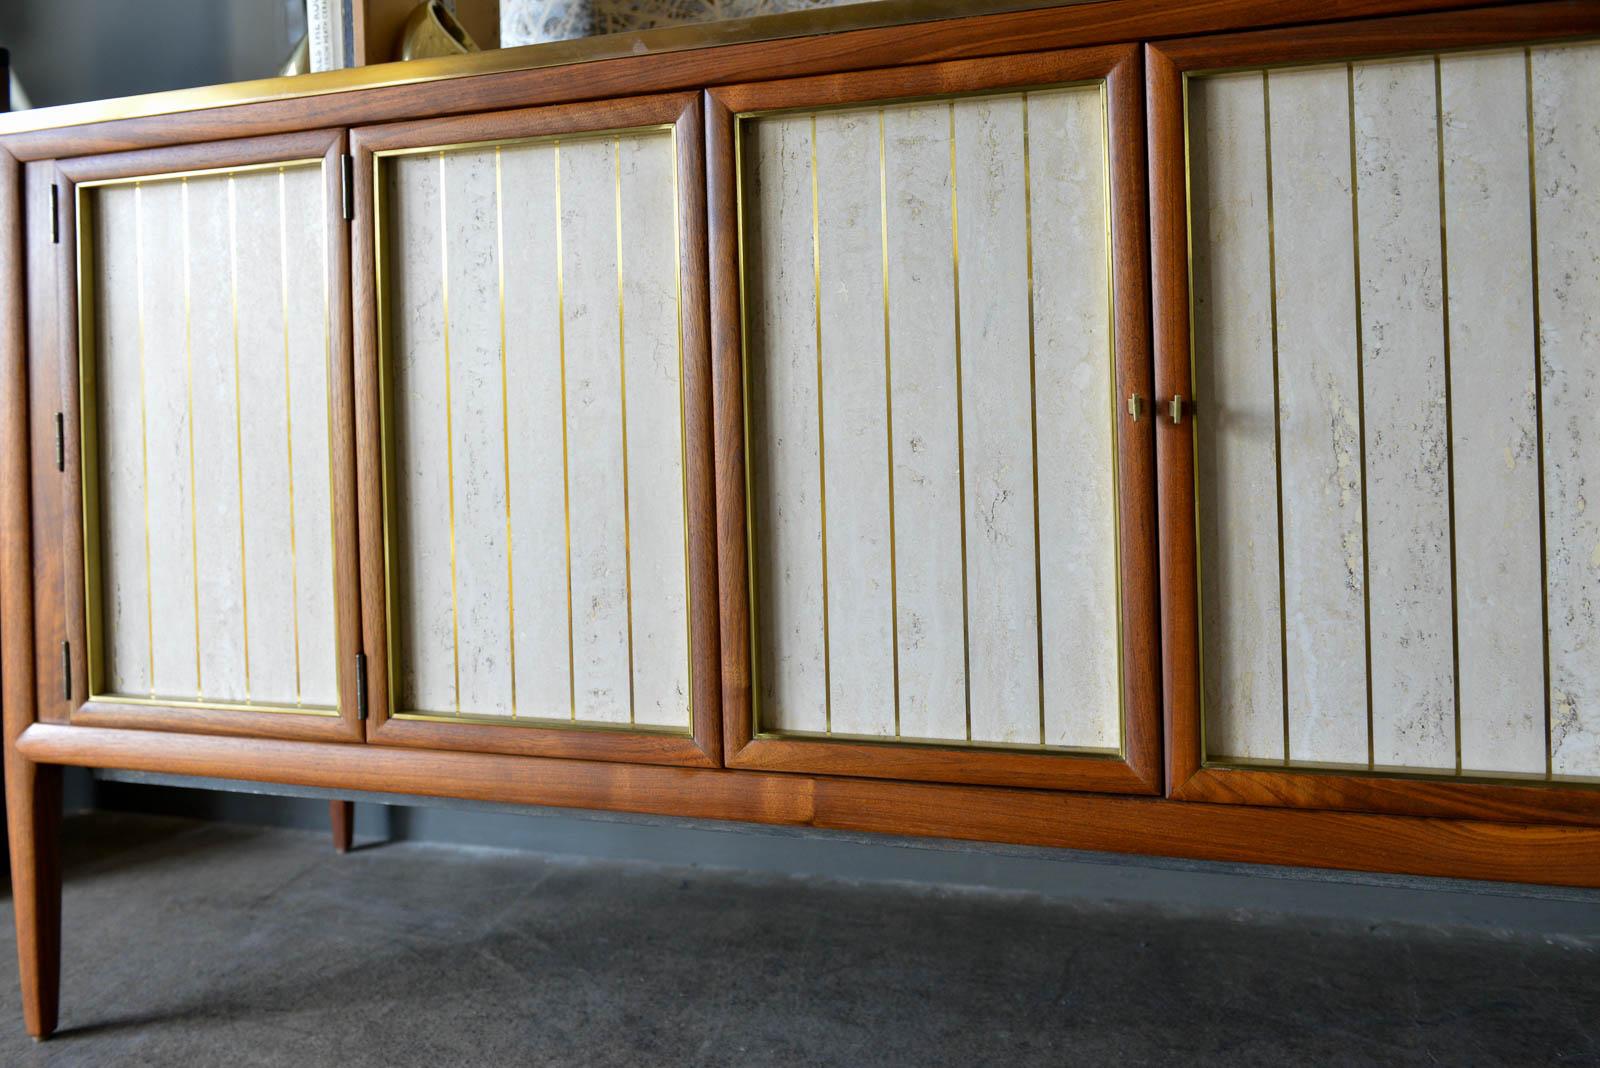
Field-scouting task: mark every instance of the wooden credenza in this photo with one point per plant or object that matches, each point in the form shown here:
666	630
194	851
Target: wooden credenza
1149	427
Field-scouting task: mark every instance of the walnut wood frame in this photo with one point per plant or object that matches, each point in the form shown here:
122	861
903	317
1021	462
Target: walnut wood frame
1190	776
702	746
65	550
1138	770
1280	824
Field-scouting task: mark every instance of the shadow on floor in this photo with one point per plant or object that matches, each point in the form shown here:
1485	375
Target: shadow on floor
195	943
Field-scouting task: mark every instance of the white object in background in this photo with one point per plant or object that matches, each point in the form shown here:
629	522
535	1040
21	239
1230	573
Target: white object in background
331	29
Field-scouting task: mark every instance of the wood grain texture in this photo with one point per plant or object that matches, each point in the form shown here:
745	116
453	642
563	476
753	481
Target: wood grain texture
342	820
1070	27
1175	445
48	296
1507	851
33	792
1137	522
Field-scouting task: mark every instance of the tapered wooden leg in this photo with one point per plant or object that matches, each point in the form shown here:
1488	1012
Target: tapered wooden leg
342	814
33	791
33	819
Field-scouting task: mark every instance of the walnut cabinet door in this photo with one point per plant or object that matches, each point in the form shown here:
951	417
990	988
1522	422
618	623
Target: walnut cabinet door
207	550
532	408
1376	282
935	510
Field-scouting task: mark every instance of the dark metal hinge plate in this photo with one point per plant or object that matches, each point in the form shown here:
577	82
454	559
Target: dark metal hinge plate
347	186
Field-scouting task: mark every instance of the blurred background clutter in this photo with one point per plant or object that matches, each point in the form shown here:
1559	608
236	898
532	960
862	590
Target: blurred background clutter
66	51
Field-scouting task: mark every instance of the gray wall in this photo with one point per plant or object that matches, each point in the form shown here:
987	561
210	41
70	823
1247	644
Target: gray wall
65	51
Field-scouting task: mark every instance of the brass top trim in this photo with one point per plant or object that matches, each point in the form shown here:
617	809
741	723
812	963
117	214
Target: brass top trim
843	19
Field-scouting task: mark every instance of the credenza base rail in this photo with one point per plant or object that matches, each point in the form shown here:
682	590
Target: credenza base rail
1568	856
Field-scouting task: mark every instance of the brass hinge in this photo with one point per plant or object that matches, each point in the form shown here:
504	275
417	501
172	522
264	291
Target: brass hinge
55	215
361	686
347	186
66	671
61	442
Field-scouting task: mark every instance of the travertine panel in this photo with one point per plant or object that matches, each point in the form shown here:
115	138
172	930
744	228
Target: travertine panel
423	560
926	285
1495	440
1319	421
855	436
1235	457
1408	505
469	221
168	357
537	570
306	229
654	355
1472	251
1002	617
1076	406
927	476
1566	85
265	381
535	357
129	647
591	289
782	324
211	364
218	459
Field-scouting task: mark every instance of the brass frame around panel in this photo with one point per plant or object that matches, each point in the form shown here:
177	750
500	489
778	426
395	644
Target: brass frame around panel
1372	769
1021	93
94	619
387	429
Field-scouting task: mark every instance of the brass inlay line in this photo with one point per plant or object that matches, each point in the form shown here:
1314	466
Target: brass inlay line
566	481
1538	405
188	371
622	381
822	456
238	421
888	417
1361	392
505	418
1033	411
1114	422
1449	413
961	434
288	424
683	436
144	433
1194	432
449	423
1277	410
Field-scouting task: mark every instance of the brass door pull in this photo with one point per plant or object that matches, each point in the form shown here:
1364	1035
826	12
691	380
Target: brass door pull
1175	409
1135	406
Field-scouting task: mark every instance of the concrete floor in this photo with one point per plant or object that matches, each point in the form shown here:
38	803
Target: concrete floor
209	944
